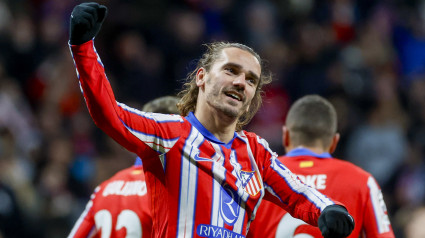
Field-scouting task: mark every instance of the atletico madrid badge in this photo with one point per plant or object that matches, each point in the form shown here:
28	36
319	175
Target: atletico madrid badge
250	182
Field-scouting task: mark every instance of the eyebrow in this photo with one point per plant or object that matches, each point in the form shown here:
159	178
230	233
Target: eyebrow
250	73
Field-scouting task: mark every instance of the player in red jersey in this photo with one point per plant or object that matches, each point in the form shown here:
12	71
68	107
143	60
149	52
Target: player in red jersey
206	176
119	207
309	137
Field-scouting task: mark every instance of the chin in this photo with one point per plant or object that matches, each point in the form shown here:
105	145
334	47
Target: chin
230	112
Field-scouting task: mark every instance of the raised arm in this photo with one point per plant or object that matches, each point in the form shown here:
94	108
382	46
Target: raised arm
135	130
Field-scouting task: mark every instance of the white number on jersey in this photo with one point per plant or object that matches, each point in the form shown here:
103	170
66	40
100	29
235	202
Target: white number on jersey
287	227
126	219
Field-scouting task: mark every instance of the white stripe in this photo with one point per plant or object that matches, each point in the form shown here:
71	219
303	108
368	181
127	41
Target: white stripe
193	177
237	227
158	117
97	55
265	144
310	193
80	219
162	159
249	188
219	174
379	208
189	173
75	65
255	182
252	186
156	143
236	172
184	178
243	137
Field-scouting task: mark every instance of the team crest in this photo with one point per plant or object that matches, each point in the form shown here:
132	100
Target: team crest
250	182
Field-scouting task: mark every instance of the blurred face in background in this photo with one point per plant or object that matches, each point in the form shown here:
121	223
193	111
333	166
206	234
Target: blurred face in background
416	227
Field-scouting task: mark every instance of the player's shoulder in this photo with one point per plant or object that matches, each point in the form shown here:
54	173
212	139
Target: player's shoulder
255	141
250	136
349	166
164	118
334	164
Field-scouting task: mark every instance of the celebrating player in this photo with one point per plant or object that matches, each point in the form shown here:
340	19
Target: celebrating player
309	137
205	175
119	207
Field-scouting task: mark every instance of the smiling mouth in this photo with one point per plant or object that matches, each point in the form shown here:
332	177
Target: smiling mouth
234	95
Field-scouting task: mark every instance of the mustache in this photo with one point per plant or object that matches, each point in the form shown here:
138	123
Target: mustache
236	90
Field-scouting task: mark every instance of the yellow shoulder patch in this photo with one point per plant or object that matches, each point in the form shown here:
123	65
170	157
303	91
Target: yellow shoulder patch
306	164
139	171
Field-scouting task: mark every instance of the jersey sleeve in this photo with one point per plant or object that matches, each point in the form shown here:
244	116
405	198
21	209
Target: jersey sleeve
85	226
286	190
376	222
139	132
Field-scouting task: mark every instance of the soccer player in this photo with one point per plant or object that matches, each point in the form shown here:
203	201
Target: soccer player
205	175
119	207
309	138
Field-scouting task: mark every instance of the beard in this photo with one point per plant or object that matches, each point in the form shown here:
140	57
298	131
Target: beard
227	106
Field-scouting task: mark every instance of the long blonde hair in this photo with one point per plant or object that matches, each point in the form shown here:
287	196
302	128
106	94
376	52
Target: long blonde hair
189	93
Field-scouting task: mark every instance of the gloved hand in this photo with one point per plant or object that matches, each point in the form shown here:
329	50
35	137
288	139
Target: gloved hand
335	222
85	23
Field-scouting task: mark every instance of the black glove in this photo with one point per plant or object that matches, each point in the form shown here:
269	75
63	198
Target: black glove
335	222
86	20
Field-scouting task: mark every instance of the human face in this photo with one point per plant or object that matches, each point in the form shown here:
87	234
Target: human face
230	84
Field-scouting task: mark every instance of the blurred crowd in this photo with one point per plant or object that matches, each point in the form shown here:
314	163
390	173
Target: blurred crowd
366	56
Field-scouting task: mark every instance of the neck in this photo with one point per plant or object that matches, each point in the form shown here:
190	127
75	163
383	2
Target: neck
221	126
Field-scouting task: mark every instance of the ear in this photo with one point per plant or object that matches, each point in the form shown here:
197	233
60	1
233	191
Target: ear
200	77
334	143
285	137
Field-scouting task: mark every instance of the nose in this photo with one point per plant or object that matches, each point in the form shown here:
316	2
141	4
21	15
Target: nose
240	80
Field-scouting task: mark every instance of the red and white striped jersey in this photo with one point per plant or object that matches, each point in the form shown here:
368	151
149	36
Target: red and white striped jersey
341	180
118	208
200	186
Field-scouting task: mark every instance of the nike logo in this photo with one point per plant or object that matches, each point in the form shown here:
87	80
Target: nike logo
198	158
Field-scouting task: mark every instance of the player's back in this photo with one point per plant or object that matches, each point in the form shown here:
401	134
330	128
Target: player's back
118	208
340	180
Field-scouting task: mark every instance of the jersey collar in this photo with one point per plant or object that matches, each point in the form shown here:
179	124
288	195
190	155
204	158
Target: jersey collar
207	134
306	152
138	162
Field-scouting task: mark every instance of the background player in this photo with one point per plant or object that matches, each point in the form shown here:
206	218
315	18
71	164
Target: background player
119	207
309	136
206	176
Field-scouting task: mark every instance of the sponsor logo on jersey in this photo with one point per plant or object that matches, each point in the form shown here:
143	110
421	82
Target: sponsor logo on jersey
216	232
250	182
199	158
229	205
